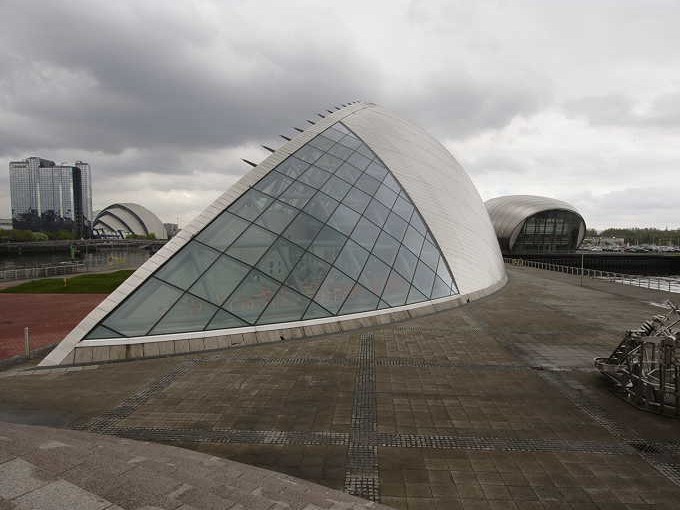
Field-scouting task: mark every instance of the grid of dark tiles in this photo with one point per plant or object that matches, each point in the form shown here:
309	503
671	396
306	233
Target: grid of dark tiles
362	477
107	421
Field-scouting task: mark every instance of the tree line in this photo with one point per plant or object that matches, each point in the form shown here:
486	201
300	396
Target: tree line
645	235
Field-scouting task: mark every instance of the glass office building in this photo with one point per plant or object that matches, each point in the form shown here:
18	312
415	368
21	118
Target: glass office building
333	228
531	224
40	187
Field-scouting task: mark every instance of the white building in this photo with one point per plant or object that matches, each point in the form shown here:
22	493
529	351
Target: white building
362	219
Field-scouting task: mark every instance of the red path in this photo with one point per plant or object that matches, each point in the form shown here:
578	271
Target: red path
49	316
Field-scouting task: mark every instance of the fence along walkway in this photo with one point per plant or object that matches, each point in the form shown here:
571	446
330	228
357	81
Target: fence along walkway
28	273
664	283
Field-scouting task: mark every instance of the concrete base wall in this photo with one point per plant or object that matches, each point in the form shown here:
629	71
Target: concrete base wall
87	354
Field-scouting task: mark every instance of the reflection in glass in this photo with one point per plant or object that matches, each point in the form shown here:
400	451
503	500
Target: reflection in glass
414	296
334	290
224	320
252	244
188	314
315	177
250	205
252	296
374	275
365	233
293	167
348	173
279	261
396	290
328	162
308	274
424	278
413	240
321	206
287	306
386	248
406	263
273	184
337	188
220	280
303	230
328	244
222	231
357	200
377	213
143	308
277	217
351	259
297	194
187	265
308	153
344	219
359	300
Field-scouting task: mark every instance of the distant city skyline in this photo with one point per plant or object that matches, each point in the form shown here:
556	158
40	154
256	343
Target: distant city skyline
575	100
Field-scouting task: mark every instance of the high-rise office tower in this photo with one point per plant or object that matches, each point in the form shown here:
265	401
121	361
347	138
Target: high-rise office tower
46	196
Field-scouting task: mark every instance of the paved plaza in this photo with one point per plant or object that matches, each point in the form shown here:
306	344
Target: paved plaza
492	405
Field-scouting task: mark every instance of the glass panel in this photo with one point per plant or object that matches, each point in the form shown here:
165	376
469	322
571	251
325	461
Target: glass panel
403	208
382	305
334	290
440	289
359	161
357	200
374	275
414	296
395	226
363	149
328	244
308	274
308	153
368	184
334	134
286	306
340	151
406	263
250	205
216	283
143	308
443	272
377	213
352	259
386	196
280	259
337	188
277	217
303	230
297	194
251	245
315	311
224	320
386	248
189	314
348	173
340	127
350	141
328	162
344	219
396	290
292	167
359	300
321	142
424	278
377	170
418	223
413	240
101	332
365	233
315	177
321	206
252	296
273	184
222	231
187	265
429	255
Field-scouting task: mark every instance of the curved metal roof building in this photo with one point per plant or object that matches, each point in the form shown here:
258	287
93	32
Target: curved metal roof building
359	220
528	223
120	220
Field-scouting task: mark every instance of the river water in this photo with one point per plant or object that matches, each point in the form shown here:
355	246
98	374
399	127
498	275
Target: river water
94	261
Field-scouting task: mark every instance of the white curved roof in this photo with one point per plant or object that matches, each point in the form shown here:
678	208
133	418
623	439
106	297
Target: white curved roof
508	214
428	174
130	217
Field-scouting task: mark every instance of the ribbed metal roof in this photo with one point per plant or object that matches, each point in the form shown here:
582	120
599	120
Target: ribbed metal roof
508	214
134	218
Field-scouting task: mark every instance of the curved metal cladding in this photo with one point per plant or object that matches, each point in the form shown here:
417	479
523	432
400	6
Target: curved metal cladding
509	213
426	207
442	191
134	218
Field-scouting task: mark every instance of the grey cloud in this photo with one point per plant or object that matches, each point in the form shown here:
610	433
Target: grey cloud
622	110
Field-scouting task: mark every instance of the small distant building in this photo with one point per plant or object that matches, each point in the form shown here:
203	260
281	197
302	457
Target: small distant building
533	224
47	196
120	221
171	229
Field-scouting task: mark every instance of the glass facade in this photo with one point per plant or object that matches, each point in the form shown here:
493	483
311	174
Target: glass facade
327	232
549	231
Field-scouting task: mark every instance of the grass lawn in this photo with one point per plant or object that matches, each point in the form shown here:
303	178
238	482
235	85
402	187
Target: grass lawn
100	283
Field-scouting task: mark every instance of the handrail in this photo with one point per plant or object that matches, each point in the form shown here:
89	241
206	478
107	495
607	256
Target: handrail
650	282
27	273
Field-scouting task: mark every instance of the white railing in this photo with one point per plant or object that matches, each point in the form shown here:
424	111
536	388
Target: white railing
664	283
28	273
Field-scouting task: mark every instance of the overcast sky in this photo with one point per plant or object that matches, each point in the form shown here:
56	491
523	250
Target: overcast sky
578	100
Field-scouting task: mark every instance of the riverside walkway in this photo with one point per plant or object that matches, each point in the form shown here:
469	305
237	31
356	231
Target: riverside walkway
492	405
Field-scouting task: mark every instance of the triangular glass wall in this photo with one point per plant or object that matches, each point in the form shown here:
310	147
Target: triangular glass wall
327	232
